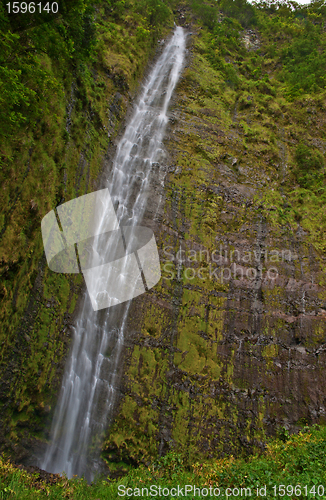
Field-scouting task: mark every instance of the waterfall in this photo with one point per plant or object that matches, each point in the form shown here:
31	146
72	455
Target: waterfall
92	370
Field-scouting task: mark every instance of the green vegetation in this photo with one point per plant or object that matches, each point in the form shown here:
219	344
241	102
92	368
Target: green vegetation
70	42
240	10
293	465
309	167
279	81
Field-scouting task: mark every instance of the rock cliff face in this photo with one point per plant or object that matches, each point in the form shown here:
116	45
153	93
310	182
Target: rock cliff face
44	164
230	346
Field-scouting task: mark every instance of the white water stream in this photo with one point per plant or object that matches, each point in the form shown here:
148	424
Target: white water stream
88	390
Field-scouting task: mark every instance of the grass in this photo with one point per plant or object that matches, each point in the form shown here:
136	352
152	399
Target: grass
292	467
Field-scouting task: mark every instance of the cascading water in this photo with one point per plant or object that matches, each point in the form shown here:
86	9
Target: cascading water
88	389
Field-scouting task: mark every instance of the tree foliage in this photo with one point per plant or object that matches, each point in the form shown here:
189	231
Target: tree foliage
295	35
241	10
68	41
207	13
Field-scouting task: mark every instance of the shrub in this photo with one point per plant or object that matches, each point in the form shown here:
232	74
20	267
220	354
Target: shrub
307	159
309	165
207	13
240	10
